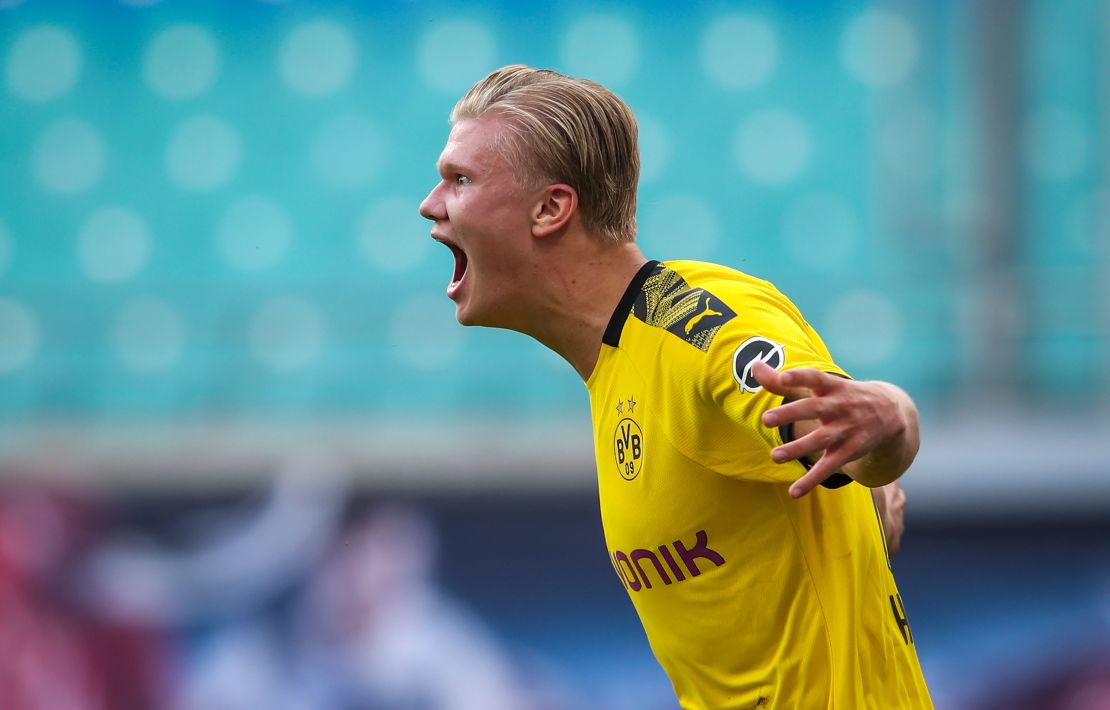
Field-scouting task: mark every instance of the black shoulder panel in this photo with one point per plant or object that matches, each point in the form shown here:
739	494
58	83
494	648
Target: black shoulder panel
666	301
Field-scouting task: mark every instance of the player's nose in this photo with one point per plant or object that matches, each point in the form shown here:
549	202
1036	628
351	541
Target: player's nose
432	206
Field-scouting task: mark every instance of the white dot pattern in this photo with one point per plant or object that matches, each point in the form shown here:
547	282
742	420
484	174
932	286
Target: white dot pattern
740	51
454	54
113	245
69	157
879	48
182	62
231	194
772	147
43	63
19	336
318	58
203	153
604	48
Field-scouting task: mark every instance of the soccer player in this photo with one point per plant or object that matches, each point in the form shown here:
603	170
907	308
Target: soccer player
734	456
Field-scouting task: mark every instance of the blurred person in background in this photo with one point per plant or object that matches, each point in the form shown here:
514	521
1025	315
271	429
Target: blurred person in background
58	652
1078	683
727	438
368	628
378	627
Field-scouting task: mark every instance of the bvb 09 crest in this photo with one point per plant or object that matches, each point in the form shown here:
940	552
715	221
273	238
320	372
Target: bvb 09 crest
628	448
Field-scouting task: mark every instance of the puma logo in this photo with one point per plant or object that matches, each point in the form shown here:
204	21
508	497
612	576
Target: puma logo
707	312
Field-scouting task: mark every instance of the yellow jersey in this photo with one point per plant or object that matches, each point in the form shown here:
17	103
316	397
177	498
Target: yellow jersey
749	598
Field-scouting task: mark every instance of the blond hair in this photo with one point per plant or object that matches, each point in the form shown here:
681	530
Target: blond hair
566	130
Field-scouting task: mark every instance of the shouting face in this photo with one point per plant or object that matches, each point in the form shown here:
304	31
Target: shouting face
484	215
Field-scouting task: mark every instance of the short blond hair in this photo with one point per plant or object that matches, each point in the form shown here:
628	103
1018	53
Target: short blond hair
568	130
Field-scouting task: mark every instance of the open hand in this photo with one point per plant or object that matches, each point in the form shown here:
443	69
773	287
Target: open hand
838	421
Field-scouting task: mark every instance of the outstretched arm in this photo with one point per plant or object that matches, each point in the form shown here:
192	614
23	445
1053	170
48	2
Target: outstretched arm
868	430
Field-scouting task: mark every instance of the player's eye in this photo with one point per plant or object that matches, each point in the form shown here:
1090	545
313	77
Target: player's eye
462	180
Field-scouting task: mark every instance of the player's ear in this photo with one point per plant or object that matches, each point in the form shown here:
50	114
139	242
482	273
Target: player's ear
554	209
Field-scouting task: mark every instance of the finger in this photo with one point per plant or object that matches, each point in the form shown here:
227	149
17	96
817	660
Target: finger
814	408
772	381
817	381
819	440
829	464
805	484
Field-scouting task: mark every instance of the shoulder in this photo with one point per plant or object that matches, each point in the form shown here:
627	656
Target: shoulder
735	304
695	300
705	275
760	323
741	291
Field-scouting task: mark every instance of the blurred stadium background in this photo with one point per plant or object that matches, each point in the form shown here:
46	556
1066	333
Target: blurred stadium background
248	460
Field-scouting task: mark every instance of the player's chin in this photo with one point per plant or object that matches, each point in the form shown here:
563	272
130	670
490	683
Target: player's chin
469	317
464	317
466	313
470	311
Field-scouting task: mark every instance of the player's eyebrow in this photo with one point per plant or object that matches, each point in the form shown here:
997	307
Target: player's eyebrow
445	167
450	167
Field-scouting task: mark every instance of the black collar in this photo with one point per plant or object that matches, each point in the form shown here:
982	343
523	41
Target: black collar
612	336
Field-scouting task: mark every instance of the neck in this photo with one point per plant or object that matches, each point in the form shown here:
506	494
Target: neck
579	295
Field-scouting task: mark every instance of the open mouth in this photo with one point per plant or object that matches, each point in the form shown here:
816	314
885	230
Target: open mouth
460	266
